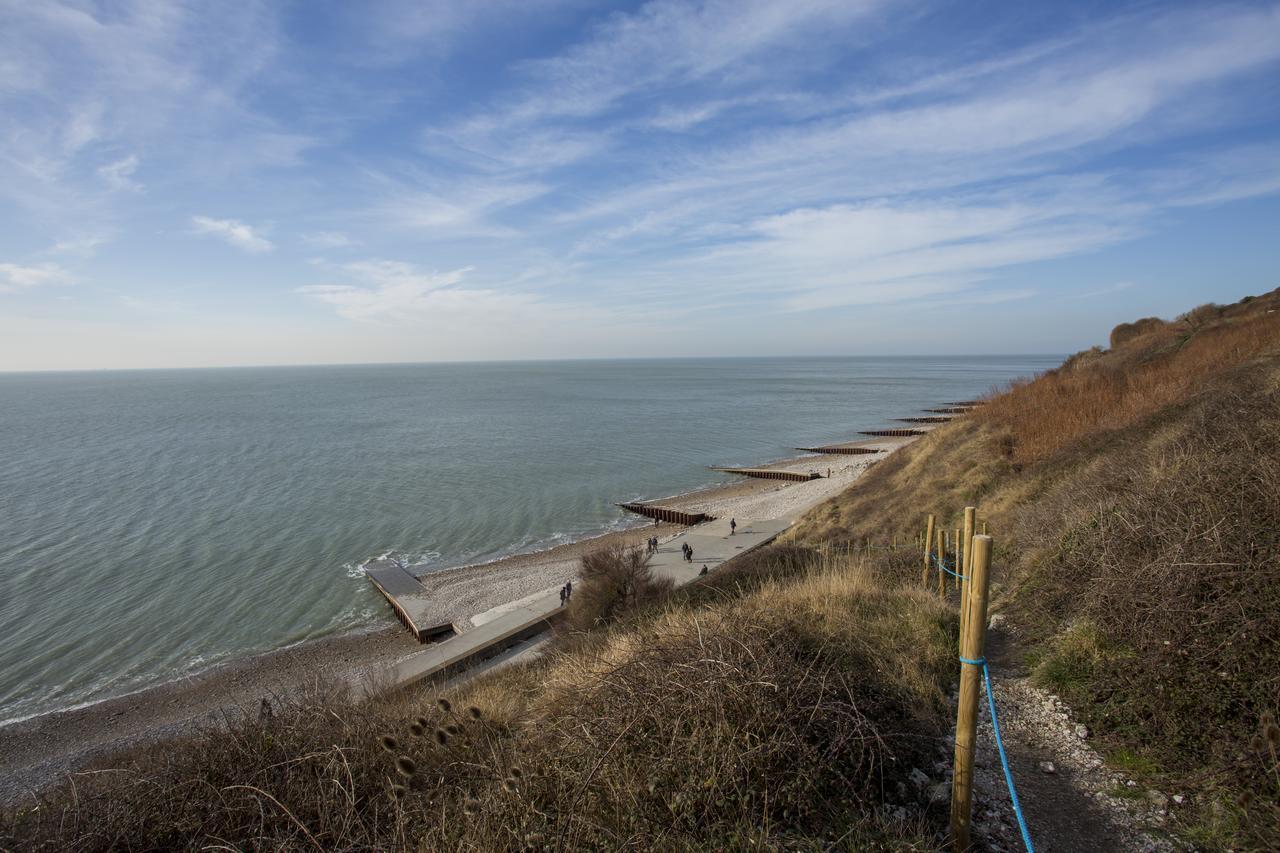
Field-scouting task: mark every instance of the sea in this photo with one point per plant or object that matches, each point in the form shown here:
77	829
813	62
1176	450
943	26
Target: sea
156	523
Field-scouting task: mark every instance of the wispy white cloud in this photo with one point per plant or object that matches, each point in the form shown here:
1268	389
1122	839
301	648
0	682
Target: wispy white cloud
119	174
328	240
16	277
234	232
84	245
396	291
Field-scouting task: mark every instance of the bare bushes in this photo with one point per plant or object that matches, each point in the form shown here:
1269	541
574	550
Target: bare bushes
1126	332
1141	376
782	719
615	580
1166	554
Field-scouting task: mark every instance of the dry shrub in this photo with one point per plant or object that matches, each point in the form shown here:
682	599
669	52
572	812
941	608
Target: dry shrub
1132	496
1126	332
774	719
1143	375
615	580
1169	549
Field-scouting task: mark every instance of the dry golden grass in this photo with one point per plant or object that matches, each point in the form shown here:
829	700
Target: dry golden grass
772	708
1154	367
1132	494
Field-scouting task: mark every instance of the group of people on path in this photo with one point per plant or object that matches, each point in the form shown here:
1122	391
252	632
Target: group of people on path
566	593
688	552
651	545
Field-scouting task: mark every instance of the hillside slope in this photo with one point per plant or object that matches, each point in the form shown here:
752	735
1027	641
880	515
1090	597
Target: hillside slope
1134	494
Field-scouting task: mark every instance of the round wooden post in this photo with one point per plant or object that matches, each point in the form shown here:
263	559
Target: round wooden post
972	647
928	544
942	551
962	562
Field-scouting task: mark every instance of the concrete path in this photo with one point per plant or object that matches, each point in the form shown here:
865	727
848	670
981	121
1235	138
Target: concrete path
508	624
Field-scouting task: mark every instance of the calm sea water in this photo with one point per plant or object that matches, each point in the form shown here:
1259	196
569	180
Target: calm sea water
155	523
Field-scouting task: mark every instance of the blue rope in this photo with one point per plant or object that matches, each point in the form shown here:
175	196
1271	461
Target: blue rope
942	564
1004	759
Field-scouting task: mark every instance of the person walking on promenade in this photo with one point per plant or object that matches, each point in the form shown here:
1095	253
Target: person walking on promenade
563	597
733	526
568	591
688	555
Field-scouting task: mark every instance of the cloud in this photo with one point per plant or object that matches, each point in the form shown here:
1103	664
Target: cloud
328	240
236	233
394	290
84	246
119	174
16	277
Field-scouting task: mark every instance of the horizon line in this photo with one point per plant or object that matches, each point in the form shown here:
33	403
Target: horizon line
301	365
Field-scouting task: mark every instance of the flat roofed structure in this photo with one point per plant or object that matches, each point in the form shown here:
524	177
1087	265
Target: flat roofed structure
409	600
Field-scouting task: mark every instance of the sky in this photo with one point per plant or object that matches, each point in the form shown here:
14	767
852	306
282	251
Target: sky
242	183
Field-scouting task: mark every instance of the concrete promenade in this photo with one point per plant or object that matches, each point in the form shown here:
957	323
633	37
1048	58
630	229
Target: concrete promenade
508	624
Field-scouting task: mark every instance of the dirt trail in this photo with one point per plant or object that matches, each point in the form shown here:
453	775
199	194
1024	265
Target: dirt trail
1071	800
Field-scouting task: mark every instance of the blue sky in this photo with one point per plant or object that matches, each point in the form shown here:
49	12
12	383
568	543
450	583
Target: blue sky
188	184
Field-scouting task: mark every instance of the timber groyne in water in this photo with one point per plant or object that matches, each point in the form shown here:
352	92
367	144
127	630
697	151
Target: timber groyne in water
413	605
772	474
662	513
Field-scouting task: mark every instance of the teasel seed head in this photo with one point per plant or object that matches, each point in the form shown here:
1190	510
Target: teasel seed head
389	743
406	766
416	729
398	791
444	704
471	805
452	729
475	712
442	737
516	773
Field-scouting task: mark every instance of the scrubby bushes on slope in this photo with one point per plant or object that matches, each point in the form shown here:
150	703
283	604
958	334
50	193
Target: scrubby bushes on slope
1135	499
784	701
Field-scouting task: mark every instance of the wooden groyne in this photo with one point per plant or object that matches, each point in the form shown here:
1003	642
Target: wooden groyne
772	474
954	410
969	403
927	420
842	451
662	513
893	433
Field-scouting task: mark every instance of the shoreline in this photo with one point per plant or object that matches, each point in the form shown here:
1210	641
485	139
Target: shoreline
38	749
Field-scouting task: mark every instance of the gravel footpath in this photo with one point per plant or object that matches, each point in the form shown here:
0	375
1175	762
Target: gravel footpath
1071	800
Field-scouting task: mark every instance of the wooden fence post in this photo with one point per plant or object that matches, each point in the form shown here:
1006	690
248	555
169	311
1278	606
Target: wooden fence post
928	544
972	648
963	559
942	551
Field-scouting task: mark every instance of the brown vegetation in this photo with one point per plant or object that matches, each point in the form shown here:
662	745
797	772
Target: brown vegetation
1133	494
774	706
615	580
1154	368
